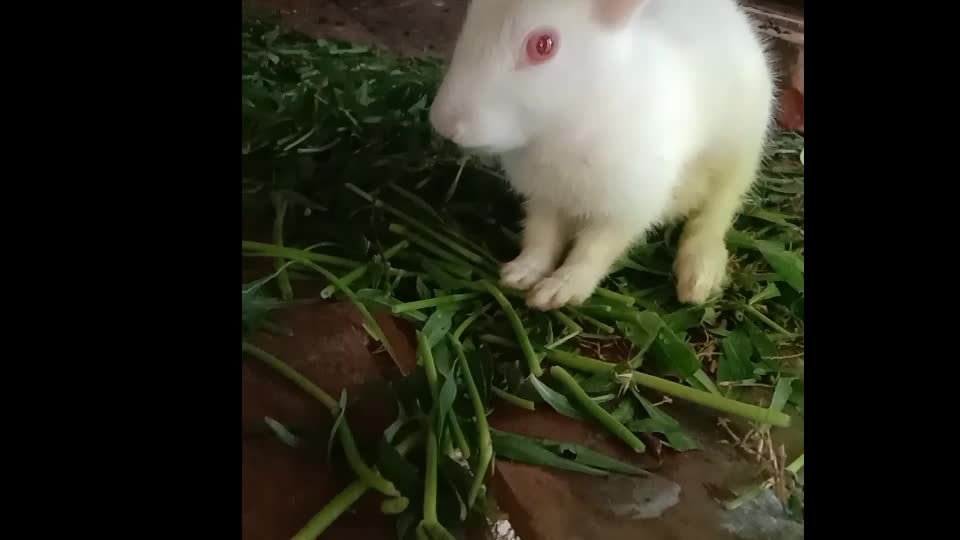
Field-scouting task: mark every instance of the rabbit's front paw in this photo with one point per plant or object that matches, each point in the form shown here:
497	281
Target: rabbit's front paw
565	286
701	270
523	272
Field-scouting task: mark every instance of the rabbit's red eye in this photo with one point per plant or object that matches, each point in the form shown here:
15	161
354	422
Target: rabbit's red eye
541	46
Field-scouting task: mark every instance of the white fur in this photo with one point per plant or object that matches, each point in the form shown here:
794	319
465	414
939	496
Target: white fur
660	119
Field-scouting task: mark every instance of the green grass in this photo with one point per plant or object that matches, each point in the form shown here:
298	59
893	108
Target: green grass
339	161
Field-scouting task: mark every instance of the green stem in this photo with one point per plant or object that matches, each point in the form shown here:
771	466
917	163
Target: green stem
700	397
470	320
497	340
567	321
364	312
346	498
430	367
615	296
598	412
271	250
370	476
415	199
430	481
602	326
426	244
767	320
334	509
560	341
533	361
424	205
293	376
433	302
513	400
359	272
458	436
426	229
283	280
483	430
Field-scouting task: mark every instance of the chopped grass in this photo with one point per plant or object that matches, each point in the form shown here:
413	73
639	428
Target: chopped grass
338	157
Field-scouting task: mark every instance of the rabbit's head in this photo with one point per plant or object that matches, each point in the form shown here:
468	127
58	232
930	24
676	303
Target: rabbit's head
522	69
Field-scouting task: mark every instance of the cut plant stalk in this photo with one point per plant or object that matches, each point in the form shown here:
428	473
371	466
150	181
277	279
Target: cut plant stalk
371	323
483	430
615	296
533	361
414	222
417	200
359	272
346	498
700	397
429	245
433	302
512	399
430	367
370	476
270	250
470	320
599	413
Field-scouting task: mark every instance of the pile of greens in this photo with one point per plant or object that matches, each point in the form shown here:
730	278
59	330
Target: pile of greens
339	157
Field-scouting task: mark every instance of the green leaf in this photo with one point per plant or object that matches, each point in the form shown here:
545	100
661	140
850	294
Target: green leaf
399	470
624	411
599	383
444	404
337	422
735	364
443	358
439	323
684	319
531	450
481	366
796	397
674	354
786	264
592	458
771	291
422	290
781	393
374	298
555	399
661	422
761	341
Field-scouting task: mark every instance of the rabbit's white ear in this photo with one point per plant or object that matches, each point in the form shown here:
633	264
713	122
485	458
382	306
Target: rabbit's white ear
615	13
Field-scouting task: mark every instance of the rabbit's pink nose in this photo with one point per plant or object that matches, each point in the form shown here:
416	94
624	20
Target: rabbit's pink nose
446	122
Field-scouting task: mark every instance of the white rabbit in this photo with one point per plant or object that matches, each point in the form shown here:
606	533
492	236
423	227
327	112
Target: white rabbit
611	116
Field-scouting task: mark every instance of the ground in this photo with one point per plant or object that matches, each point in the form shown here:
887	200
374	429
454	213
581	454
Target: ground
326	341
